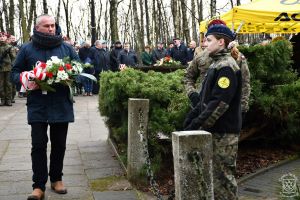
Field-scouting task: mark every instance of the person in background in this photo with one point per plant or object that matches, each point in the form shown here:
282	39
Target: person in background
100	59
159	52
127	56
191	51
218	110
170	46
7	57
179	51
114	63
146	56
54	109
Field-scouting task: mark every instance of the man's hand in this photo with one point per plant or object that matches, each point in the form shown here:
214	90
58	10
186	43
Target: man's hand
194	98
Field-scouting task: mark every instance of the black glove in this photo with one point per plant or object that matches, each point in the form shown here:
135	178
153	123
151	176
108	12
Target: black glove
194	125
189	117
194	98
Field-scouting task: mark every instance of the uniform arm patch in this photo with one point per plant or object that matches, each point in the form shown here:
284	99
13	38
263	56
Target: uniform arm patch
223	82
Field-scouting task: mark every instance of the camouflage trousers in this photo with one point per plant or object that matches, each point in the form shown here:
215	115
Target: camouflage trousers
5	86
225	148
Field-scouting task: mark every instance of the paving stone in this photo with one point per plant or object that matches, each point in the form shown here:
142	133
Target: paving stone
112	195
96	173
7	176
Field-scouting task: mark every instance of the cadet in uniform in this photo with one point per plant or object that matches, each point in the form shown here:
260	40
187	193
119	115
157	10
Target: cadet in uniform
218	110
7	56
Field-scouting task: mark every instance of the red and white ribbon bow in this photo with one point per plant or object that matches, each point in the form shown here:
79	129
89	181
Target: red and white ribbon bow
27	77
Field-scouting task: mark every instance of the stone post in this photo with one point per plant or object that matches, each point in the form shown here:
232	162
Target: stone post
192	152
138	110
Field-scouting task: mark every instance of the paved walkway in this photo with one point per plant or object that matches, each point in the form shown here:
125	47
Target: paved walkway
88	156
266	185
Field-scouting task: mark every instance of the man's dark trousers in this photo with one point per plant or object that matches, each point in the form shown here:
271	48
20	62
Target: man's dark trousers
58	136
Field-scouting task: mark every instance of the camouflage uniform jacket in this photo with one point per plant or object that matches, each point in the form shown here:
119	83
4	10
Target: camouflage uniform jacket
219	108
8	59
197	68
246	89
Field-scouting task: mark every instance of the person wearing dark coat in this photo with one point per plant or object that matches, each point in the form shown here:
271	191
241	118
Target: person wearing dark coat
84	51
127	56
191	51
52	108
159	52
101	60
179	51
114	63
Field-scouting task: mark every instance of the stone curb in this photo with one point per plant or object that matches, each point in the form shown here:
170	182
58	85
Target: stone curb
113	146
263	170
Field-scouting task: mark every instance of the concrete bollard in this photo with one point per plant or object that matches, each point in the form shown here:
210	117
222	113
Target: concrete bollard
138	110
192	153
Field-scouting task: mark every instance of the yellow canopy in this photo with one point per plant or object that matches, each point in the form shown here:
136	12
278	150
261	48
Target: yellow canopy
262	16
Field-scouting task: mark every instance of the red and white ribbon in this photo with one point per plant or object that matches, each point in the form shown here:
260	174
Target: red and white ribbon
27	77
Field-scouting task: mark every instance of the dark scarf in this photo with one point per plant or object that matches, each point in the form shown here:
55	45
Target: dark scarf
46	41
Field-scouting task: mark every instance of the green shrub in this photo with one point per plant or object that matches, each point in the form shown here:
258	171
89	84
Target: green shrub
168	103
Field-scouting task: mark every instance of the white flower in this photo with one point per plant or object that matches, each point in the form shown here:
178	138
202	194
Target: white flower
61	76
56	60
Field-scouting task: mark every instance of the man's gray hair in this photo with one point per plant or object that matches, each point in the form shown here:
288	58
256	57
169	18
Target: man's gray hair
97	42
38	19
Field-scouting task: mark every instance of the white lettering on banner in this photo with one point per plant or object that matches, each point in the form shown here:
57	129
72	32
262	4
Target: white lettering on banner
290	2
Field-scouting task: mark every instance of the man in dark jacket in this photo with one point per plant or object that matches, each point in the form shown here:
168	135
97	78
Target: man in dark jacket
159	52
52	108
127	56
179	52
101	60
114	63
218	110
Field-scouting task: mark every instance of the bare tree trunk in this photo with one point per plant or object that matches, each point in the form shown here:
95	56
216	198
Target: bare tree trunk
98	24
176	19
113	13
45	6
165	28
93	23
238	2
5	12
185	24
147	22
25	34
158	24
1	22
58	11
142	23
200	11
155	28
106	20
66	8
231	3
194	23
11	17
137	28
213	8
31	13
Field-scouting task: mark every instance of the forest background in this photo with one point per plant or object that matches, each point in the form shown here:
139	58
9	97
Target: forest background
139	22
